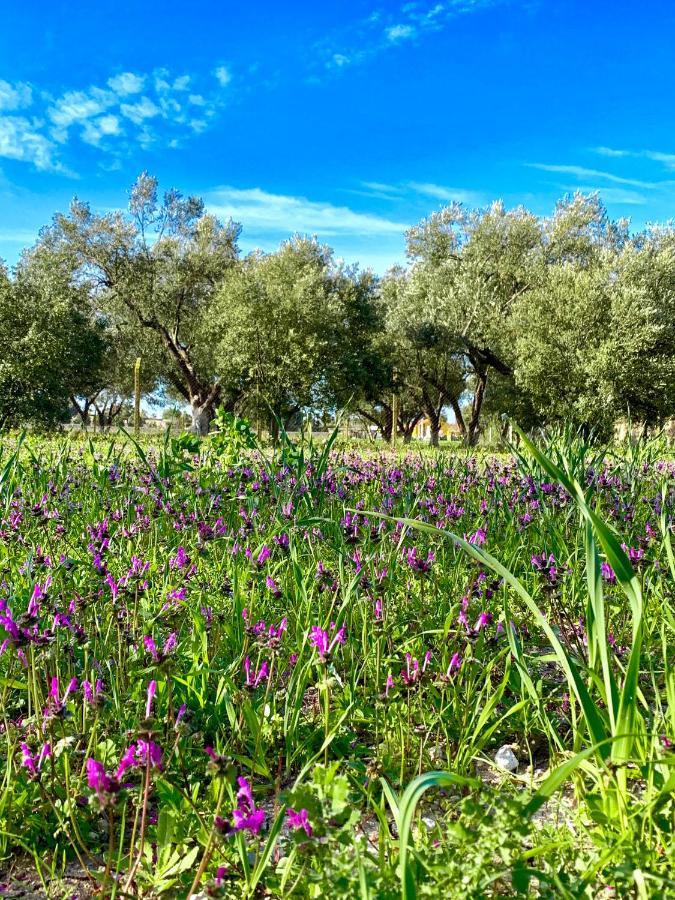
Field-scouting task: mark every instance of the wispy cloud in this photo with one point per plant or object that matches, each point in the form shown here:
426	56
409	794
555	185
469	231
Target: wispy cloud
583	172
666	159
410	190
131	109
383	29
281	214
446	194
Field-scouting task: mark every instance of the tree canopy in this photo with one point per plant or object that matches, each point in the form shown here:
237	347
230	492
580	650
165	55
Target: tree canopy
561	318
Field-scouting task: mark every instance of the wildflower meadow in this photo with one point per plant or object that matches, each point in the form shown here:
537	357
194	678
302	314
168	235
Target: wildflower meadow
329	671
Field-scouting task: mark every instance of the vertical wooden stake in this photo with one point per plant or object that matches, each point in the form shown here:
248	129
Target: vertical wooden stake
394	419
137	396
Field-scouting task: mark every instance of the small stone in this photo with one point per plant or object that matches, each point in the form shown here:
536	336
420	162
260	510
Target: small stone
436	754
506	759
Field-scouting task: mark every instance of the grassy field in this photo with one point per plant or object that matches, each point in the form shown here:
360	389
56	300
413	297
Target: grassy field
336	672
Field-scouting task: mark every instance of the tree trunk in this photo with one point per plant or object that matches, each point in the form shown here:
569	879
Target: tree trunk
473	430
433	413
274	430
202	413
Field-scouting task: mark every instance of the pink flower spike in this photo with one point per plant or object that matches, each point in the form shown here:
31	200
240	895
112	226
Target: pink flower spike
72	686
262	674
455	664
127	761
152	690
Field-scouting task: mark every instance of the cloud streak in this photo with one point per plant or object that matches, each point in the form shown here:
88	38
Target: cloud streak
583	172
666	159
266	213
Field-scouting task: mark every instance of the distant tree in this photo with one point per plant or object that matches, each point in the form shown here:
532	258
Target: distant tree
480	270
51	346
428	361
112	387
597	340
277	318
159	265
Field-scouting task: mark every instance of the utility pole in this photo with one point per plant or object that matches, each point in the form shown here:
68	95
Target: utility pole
137	396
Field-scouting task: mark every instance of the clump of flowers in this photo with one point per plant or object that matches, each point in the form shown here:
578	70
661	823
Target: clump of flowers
324	642
245	816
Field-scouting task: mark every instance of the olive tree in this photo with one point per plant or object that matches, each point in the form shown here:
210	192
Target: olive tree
158	264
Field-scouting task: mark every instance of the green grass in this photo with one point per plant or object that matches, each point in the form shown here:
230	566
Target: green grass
420	610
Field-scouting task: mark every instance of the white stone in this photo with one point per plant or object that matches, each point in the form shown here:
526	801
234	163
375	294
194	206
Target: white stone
506	759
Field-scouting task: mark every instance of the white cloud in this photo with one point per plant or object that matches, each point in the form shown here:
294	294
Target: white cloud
106	126
15	96
223	76
446	194
21	139
264	212
139	112
399	32
109	118
404	190
127	83
583	172
666	159
75	107
610	151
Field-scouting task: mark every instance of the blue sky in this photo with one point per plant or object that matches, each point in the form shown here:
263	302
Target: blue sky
349	120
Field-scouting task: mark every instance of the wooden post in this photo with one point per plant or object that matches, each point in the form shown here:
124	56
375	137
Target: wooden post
137	396
394	419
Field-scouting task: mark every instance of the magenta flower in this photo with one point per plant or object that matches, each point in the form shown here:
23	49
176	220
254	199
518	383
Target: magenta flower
32	762
253	678
325	641
99	781
298	820
478	537
245	816
159	656
263	556
137	755
455	664
93	695
483	620
273	587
